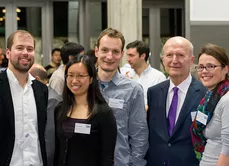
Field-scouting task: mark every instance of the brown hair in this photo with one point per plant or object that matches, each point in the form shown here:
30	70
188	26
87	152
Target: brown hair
113	33
215	51
10	39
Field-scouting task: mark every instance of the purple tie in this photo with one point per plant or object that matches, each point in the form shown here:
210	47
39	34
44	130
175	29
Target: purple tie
172	111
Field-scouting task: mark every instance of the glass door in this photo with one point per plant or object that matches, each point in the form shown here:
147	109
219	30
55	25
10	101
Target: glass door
33	17
2	26
29	19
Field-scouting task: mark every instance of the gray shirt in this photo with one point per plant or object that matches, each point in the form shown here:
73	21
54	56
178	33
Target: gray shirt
53	100
126	99
217	134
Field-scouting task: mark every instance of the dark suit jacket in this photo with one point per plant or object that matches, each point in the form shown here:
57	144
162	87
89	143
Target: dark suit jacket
7	123
176	150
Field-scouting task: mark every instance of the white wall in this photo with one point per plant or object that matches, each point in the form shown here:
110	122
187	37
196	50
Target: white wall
209	10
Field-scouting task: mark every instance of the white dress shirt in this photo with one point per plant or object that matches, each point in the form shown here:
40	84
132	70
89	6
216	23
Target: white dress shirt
183	89
149	77
26	151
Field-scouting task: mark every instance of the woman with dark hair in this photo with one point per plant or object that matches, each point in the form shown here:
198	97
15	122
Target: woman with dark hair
210	128
85	126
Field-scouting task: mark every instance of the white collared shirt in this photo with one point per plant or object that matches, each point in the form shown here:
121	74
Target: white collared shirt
25	115
149	77
183	89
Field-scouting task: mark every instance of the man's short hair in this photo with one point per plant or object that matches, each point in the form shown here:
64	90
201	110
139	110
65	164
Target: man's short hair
54	50
141	48
68	49
113	33
10	39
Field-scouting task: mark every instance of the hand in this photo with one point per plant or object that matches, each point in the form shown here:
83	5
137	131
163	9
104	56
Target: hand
127	75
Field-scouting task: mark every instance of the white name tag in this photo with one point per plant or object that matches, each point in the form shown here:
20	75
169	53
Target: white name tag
82	128
116	103
201	117
24	141
193	115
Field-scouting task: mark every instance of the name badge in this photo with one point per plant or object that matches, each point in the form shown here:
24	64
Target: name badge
116	103
201	117
193	115
82	128
24	141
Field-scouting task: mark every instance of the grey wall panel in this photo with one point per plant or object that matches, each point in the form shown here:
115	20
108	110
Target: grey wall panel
216	34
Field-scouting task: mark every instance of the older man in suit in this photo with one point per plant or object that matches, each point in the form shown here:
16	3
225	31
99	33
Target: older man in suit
23	104
172	104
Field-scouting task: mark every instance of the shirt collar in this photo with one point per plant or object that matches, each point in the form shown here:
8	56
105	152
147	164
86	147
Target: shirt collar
146	70
12	77
116	78
183	86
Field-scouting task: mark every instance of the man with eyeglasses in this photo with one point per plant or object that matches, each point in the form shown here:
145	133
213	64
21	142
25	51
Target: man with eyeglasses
172	107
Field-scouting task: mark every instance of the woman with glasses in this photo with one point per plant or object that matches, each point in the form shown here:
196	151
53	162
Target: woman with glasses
85	126
210	128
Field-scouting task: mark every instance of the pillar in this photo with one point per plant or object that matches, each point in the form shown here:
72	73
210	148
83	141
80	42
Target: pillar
126	16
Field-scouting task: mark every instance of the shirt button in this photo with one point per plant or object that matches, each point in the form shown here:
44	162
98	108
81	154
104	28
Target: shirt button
169	144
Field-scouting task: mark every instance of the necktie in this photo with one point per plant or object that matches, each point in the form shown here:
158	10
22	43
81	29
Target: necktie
172	111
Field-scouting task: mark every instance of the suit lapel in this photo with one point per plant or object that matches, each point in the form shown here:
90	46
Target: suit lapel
7	98
41	105
188	104
162	106
39	97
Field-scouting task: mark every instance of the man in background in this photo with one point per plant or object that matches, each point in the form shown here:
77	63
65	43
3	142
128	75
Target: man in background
137	56
55	62
1	56
39	72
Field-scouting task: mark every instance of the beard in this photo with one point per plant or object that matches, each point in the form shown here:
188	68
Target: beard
22	68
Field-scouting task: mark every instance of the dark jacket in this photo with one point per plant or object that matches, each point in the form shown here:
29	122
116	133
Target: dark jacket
7	123
177	149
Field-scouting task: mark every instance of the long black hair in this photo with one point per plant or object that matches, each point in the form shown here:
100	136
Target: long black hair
94	96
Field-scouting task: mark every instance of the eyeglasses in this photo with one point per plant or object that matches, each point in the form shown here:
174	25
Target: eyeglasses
208	67
70	77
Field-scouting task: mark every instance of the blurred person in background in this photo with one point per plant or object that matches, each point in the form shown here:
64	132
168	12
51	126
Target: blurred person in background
39	72
55	62
91	54
137	53
1	56
3	60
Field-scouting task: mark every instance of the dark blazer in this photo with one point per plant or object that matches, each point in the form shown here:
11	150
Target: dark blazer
7	123
176	150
